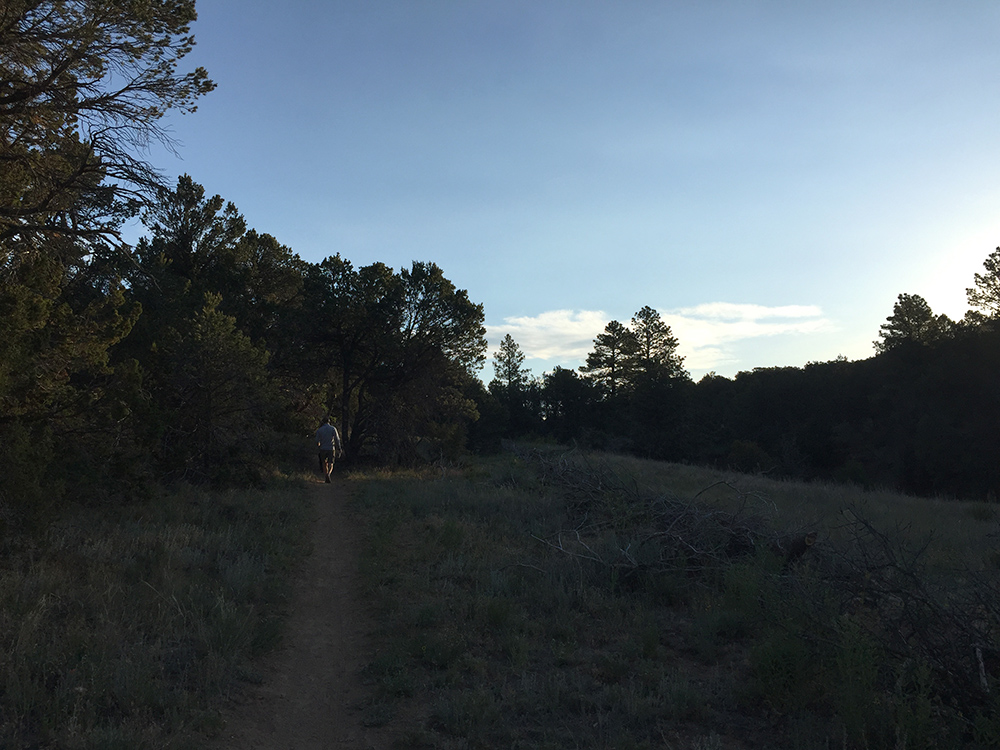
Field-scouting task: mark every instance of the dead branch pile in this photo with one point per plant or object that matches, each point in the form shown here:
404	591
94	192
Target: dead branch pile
945	620
649	532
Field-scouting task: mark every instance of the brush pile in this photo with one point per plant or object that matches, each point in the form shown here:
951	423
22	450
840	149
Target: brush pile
921	619
656	532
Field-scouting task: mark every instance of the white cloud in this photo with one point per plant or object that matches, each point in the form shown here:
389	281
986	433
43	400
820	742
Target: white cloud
563	335
706	332
731	311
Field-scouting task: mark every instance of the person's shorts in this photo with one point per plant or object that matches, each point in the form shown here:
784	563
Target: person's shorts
326	456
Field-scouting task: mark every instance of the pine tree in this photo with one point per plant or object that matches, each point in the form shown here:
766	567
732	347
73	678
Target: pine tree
656	351
611	363
83	86
984	296
912	320
507	366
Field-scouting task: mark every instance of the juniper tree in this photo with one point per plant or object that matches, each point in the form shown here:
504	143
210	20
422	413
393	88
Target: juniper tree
83	87
395	349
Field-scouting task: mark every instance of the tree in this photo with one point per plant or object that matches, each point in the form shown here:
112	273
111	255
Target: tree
214	294
214	398
912	320
57	379
395	349
201	245
348	328
514	388
985	295
190	234
656	347
507	366
437	317
83	86
610	364
566	403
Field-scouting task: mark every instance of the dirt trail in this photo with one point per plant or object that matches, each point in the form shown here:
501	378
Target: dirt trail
311	685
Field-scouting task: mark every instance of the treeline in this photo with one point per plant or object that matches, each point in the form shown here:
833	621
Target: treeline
212	350
207	351
922	416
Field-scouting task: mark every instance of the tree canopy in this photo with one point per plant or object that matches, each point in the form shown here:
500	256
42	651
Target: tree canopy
912	321
374	335
984	294
83	85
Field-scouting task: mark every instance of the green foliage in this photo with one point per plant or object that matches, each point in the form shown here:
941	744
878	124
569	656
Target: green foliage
63	403
507	362
216	299
567	401
397	351
85	84
611	364
656	353
516	393
215	399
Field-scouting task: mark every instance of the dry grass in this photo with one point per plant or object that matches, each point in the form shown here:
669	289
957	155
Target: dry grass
123	627
515	612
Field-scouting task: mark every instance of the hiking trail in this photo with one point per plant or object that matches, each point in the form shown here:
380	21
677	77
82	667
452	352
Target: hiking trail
311	687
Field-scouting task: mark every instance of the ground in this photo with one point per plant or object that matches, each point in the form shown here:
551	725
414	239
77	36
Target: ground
311	687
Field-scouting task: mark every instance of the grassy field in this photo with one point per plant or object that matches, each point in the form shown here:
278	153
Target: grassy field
560	600
539	599
124	627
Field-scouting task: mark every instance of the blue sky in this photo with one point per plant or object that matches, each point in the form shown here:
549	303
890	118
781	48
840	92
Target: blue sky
768	175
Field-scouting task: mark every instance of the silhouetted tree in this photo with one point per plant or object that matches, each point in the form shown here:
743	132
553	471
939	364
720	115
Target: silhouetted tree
201	267
984	295
381	340
514	389
215	398
656	347
507	365
610	364
83	86
567	404
912	321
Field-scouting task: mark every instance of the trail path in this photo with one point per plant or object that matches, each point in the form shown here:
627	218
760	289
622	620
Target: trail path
311	685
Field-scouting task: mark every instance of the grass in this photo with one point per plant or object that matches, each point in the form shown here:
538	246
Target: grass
123	627
515	609
508	620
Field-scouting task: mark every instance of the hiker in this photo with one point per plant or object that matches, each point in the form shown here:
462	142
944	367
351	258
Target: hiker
328	442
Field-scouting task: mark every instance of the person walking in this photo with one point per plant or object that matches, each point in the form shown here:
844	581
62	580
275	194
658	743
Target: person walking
328	442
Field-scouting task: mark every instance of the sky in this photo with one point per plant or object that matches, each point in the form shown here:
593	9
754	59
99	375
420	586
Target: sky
769	176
